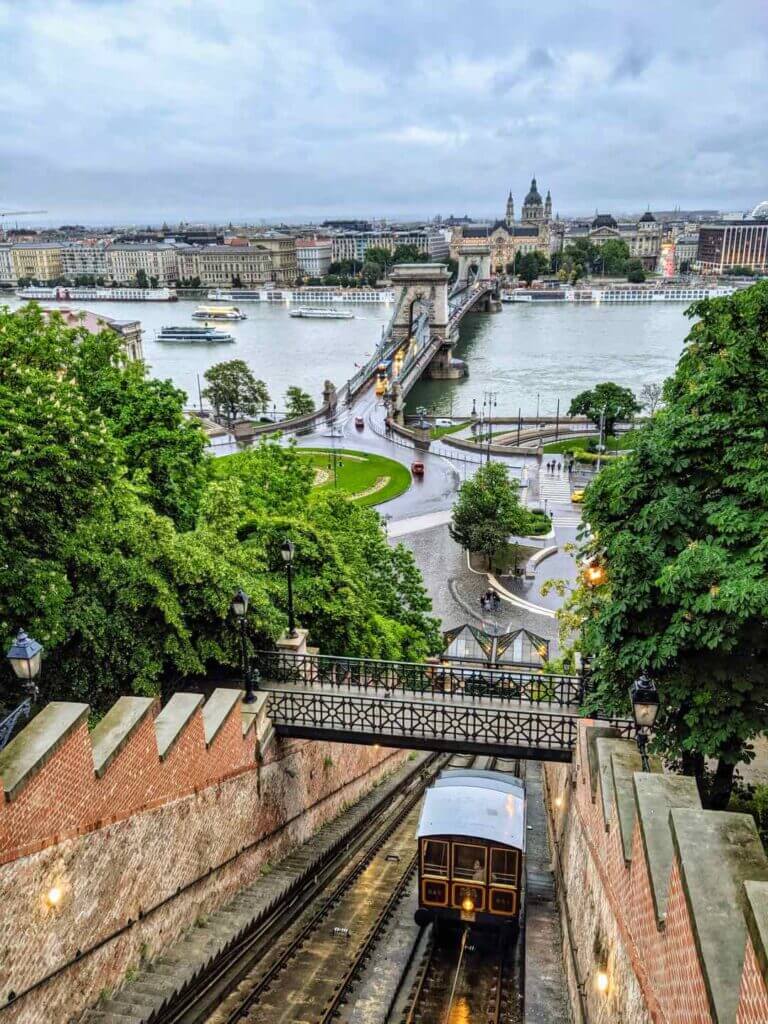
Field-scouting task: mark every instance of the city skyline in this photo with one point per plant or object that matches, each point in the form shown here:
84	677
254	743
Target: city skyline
217	112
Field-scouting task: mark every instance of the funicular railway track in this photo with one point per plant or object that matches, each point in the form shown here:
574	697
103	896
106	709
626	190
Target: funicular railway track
302	963
464	978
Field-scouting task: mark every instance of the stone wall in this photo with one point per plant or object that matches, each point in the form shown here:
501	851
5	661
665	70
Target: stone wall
113	842
665	903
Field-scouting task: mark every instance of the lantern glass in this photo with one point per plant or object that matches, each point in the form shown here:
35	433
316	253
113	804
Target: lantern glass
645	702
240	604
286	550
25	656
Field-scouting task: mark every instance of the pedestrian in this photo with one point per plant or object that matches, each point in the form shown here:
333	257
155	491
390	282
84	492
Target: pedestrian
496	601
559	467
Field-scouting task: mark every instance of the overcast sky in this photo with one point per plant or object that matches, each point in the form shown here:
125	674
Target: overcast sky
143	110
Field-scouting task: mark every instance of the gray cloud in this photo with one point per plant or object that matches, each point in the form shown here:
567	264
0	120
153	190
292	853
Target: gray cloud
130	110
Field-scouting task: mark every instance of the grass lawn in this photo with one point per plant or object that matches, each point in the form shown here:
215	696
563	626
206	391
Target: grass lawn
437	432
612	444
357	472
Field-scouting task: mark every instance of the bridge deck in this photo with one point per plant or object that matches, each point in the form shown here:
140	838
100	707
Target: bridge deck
425	721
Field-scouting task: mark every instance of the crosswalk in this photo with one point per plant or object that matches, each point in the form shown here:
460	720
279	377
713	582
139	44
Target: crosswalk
554	488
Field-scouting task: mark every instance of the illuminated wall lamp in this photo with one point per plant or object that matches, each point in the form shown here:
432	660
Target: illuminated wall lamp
54	896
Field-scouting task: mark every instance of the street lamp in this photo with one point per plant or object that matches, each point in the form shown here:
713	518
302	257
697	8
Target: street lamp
645	708
286	550
25	656
250	677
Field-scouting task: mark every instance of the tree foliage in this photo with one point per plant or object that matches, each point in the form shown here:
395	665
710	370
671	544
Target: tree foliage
488	510
609	401
613	256
234	390
530	265
298	402
123	560
682	523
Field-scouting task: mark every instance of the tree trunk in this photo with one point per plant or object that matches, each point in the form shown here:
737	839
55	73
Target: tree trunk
722	784
692	763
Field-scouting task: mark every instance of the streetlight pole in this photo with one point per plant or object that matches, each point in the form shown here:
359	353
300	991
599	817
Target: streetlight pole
600	439
250	676
489	399
25	657
286	550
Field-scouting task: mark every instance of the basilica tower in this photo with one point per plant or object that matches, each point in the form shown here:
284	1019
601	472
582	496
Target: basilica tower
533	209
509	217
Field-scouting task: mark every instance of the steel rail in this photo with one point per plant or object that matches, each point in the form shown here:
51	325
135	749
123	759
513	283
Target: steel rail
196	1003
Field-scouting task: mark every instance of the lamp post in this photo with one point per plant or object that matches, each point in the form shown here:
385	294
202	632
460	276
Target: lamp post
250	677
645	708
286	550
25	656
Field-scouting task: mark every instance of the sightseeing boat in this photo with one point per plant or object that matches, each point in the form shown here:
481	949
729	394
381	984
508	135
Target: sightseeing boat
218	313
194	335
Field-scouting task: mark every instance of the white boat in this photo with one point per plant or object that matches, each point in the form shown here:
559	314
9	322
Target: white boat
218	313
311	293
322	313
194	335
66	293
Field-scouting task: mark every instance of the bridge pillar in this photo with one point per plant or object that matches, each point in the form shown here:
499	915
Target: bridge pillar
420	287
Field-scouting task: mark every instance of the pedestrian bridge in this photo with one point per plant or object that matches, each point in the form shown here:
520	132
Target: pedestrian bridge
498	712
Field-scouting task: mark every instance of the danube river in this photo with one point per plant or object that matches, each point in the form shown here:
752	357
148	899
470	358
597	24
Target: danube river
528	354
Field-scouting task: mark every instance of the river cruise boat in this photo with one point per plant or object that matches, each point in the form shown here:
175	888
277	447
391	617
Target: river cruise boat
64	293
313	293
321	313
612	294
218	313
194	336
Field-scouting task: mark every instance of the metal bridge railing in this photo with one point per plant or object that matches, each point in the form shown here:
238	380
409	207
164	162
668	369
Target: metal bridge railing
405	677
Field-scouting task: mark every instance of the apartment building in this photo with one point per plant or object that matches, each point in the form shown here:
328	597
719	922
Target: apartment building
222	266
129	331
352	245
735	243
37	261
157	259
7	273
313	256
282	251
85	259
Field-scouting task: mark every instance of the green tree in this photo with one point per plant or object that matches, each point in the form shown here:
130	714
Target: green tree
298	402
162	450
613	257
380	255
681	524
234	390
487	511
531	265
635	272
409	254
609	400
142	281
371	273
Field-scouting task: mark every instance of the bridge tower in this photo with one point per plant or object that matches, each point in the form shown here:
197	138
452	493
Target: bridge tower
423	287
474	263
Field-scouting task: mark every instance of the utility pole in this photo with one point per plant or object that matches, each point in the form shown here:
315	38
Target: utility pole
519	423
557	420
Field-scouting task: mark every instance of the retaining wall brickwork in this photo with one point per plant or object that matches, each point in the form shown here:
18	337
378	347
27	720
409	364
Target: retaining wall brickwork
668	900
141	827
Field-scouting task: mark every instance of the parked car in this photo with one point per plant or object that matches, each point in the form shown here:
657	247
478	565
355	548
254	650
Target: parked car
359	422
443	423
578	496
417	468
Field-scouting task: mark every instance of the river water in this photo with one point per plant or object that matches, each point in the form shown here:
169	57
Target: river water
530	355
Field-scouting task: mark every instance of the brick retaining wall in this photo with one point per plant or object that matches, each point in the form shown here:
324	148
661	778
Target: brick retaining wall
669	900
190	805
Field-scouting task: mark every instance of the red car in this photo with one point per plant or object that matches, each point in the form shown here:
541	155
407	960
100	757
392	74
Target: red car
417	468
359	422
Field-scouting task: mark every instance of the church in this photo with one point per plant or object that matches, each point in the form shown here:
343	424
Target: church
508	237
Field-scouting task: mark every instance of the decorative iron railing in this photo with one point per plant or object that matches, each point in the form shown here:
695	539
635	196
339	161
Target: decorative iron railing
438	725
393	677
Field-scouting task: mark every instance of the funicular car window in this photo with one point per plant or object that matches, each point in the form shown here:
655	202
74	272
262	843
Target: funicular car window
503	867
469	862
435	861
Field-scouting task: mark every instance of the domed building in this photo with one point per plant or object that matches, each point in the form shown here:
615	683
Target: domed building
507	236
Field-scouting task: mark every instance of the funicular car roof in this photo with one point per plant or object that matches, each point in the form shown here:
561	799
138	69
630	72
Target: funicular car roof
476	804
